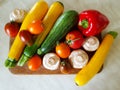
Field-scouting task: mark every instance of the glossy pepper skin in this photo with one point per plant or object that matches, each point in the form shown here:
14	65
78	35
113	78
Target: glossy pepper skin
92	22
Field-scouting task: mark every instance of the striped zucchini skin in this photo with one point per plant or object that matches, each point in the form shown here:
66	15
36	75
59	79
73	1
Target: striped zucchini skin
55	10
62	26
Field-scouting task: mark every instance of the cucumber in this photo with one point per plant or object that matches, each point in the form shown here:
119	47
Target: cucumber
62	26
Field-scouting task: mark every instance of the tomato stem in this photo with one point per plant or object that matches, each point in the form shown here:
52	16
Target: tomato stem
70	41
57	43
63	63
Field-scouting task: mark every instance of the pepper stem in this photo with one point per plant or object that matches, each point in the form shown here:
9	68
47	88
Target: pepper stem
84	23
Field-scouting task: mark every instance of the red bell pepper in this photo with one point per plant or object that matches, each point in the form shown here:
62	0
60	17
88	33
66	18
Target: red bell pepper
92	22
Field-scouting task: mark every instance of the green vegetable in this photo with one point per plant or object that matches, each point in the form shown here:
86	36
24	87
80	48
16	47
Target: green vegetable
62	26
55	10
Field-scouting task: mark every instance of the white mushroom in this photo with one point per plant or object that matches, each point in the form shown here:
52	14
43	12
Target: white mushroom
18	15
78	58
51	61
91	43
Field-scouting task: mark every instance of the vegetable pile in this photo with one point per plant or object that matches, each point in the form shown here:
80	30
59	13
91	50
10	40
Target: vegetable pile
55	39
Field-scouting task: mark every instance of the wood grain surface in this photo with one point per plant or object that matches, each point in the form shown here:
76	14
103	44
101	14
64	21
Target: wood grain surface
24	69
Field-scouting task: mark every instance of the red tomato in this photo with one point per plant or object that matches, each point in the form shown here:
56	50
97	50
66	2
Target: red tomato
12	28
35	27
74	39
34	63
26	37
65	67
63	50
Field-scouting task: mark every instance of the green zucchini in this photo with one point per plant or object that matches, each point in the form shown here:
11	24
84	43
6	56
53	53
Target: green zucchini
62	26
55	10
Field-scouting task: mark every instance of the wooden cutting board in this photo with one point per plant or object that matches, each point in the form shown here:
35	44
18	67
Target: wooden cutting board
24	69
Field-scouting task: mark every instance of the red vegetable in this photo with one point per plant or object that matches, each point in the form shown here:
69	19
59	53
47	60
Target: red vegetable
35	27
92	22
34	63
74	39
26	37
65	67
62	50
12	28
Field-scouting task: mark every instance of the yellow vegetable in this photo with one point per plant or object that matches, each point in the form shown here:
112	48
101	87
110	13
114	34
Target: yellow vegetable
38	11
55	10
91	69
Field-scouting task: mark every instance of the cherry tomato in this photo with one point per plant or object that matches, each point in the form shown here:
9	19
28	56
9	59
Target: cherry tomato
34	63
35	27
11	29
74	39
63	50
65	67
26	37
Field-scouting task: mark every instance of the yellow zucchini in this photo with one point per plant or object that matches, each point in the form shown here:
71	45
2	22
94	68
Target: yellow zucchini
38	11
49	20
55	10
91	69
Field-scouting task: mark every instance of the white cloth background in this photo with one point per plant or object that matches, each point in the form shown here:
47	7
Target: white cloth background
108	79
